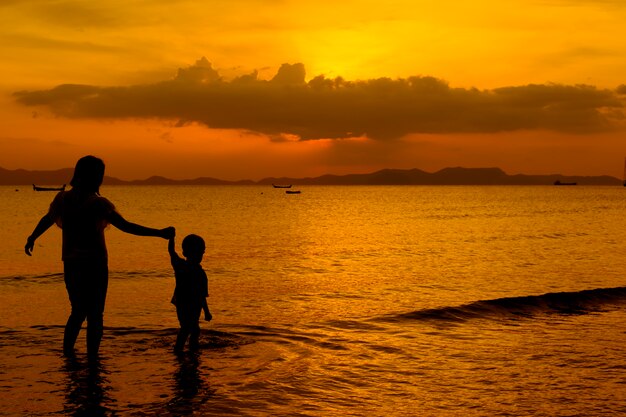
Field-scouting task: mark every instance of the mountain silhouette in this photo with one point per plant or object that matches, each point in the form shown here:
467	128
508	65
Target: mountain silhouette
446	176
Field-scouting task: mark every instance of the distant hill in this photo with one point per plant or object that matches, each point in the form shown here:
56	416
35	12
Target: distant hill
64	176
157	180
21	177
446	176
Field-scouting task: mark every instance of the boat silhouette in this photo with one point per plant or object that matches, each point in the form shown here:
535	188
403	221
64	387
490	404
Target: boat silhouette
36	188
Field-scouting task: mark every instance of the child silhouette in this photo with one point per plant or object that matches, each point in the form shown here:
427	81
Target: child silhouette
191	290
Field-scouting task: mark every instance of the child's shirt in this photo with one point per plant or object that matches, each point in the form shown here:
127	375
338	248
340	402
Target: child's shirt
192	284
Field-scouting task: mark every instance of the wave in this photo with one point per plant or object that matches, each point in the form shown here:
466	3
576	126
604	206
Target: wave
564	303
57	277
17	280
121	338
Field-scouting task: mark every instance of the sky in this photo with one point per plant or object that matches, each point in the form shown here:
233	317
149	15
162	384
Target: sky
247	89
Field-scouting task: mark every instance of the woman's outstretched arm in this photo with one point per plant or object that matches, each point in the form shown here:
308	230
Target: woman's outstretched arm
171	246
43	225
124	225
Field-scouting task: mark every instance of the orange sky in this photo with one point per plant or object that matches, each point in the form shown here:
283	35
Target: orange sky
532	86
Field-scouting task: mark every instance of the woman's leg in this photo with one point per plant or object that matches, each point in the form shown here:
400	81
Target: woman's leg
194	336
72	328
95	312
78	312
86	284
181	338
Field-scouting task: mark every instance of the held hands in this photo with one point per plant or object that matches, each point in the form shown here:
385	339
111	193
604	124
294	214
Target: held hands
168	233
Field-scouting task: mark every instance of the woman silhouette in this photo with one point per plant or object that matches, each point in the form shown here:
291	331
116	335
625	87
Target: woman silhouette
83	215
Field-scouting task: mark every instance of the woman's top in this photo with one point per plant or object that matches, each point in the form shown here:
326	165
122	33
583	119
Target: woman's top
83	218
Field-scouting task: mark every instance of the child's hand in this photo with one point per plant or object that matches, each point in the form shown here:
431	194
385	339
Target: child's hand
208	316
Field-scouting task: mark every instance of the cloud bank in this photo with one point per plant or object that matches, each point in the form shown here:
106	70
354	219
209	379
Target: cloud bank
324	108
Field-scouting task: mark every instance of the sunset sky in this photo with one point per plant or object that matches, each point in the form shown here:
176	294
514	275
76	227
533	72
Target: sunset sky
246	89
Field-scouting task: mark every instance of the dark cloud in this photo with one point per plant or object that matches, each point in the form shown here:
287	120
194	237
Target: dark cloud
200	73
290	75
335	108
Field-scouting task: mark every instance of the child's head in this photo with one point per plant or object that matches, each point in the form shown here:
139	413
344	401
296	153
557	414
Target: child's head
88	174
193	248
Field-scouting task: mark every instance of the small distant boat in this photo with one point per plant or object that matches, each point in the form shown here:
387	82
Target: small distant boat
62	188
624	182
292	192
557	182
281	186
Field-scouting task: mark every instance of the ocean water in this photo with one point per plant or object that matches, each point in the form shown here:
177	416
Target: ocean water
350	301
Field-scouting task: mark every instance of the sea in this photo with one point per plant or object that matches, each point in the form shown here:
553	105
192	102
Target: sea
338	301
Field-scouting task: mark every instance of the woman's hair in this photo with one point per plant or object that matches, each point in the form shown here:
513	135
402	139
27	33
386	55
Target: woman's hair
88	174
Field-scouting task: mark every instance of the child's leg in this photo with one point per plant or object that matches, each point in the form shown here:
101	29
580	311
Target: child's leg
182	311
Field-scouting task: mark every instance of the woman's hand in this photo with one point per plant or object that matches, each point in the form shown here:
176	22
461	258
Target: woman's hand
30	245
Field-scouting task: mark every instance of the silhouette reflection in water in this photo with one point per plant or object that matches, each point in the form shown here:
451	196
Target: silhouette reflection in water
190	390
87	388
